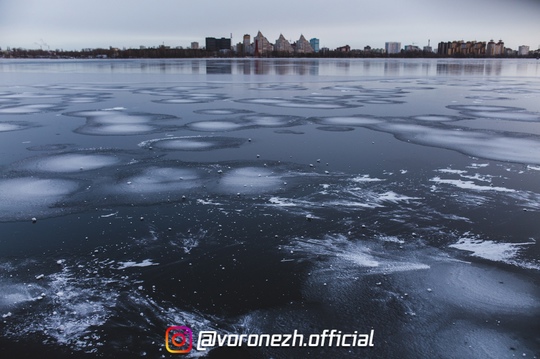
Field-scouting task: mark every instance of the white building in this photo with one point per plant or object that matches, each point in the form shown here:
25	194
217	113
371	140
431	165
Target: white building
392	47
523	50
282	45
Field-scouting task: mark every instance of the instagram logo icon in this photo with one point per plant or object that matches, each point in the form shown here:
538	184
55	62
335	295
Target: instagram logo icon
178	339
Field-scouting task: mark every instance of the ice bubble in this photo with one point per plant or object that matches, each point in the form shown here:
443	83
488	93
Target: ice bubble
70	162
20	197
250	180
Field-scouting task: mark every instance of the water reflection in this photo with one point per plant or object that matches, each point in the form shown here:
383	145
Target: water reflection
301	67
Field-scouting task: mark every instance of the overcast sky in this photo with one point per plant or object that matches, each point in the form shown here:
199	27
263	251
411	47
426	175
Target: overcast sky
77	24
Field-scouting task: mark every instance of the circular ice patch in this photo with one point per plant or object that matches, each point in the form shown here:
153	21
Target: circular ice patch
250	180
5	127
223	112
26	109
347	121
71	162
27	197
214	126
484	108
192	143
435	118
161	180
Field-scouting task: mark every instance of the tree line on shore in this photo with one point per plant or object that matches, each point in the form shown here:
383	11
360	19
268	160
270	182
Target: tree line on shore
168	52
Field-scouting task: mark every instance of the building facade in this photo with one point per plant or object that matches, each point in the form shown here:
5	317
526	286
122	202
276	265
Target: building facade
283	46
392	47
523	50
213	44
469	48
314	42
261	45
495	49
303	46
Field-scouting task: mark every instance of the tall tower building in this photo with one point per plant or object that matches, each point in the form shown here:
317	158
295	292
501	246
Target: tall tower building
392	47
314	42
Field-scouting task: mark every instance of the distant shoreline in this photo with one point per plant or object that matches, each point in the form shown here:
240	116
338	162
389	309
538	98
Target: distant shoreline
168	53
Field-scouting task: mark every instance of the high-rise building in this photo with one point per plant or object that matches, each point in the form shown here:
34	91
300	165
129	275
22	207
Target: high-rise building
303	46
392	47
314	42
469	48
194	45
495	49
213	44
282	45
261	45
523	50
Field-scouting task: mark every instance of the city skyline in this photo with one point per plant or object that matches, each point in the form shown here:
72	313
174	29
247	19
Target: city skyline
76	24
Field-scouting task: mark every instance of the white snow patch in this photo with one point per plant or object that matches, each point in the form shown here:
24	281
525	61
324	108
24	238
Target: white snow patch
144	263
470	185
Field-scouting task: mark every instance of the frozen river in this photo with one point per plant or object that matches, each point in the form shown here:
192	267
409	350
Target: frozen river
259	196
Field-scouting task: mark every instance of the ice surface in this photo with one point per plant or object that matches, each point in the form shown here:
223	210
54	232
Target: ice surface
189	98
27	109
129	264
296	103
475	143
222	112
436	118
6	127
347	121
494	251
163	180
212	126
28	197
193	143
249	180
470	185
341	252
70	162
117	121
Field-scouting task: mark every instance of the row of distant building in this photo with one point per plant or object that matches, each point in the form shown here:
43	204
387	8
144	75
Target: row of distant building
261	46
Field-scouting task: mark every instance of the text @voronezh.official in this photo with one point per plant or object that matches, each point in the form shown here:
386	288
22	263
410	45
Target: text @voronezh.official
179	339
